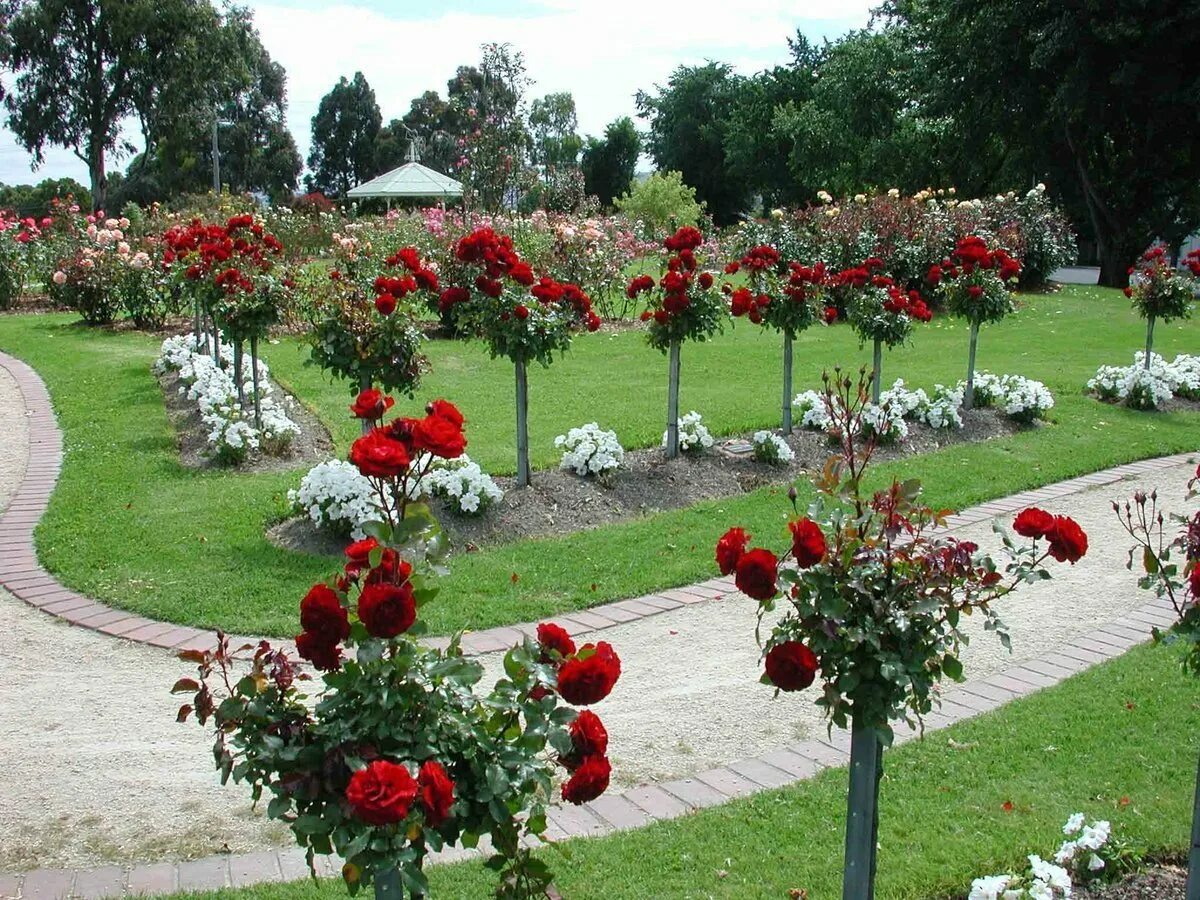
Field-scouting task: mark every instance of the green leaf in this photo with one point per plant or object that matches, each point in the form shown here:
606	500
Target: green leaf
953	667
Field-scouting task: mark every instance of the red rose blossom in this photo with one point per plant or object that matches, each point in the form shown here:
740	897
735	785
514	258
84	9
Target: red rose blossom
589	781
1068	542
322	614
588	735
808	542
588	676
446	410
756	573
1194	580
371	404
377	454
382	793
730	548
386	304
437	792
554	637
440	436
387	610
791	666
1033	523
324	655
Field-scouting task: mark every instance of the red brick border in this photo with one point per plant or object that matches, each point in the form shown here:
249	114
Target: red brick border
645	803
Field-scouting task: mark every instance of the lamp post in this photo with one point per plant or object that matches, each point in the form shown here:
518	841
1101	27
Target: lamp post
216	150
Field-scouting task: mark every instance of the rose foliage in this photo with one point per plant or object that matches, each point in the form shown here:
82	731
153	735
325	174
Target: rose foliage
684	304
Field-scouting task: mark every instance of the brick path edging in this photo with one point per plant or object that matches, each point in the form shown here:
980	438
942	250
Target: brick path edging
641	805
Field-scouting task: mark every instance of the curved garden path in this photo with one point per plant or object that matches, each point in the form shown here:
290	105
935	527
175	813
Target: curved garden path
97	776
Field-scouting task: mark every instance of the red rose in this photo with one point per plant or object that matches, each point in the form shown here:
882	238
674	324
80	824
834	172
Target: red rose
1068	542
452	296
359	553
1194	580
322	614
831	315
378	454
588	676
706	280
440	436
437	792
521	311
386	304
791	666
324	655
975	291
808	542
391	569
1033	523
387	610
756	573
589	781
730	548
588	735
446	410
382	793
554	637
371	404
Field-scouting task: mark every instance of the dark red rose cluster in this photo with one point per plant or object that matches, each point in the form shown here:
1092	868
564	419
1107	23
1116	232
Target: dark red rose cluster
384	793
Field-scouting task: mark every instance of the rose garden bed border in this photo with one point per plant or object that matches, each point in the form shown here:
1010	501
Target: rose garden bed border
23	576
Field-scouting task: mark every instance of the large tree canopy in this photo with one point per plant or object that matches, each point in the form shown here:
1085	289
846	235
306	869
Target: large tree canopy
345	131
609	163
1101	99
84	66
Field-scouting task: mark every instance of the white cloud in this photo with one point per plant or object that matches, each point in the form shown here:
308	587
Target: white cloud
602	52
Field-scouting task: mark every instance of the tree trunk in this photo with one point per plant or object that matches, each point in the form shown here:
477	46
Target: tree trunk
673	402
1149	342
969	396
254	378
787	383
877	372
1115	260
1193	878
862	813
522	423
238	380
98	176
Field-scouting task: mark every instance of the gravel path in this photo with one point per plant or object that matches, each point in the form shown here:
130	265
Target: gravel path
94	769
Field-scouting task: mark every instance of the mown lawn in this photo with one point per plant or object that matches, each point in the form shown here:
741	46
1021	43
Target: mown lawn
129	525
1117	742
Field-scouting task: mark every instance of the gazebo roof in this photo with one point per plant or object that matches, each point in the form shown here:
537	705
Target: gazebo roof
409	180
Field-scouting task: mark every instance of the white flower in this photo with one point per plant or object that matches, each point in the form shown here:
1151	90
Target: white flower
1095	863
590	450
336	495
771	448
989	887
1025	399
1073	824
462	484
694	437
813	412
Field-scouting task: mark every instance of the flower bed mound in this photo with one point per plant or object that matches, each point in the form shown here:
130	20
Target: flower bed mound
1160	883
560	502
307	448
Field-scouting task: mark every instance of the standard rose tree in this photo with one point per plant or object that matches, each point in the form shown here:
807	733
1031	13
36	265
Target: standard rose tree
683	305
880	311
787	298
976	283
1167	549
496	296
1161	291
400	753
873	597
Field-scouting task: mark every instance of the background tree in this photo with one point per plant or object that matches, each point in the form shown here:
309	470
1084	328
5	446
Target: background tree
609	163
554	140
34	200
1093	97
437	126
345	131
492	98
120	59
689	124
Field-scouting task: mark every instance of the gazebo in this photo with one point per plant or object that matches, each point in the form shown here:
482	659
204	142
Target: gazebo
409	180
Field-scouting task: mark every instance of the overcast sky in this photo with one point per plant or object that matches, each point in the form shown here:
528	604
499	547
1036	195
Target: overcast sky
602	51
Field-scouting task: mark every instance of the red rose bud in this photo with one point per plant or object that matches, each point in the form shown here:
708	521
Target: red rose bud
756	574
386	304
322	614
371	404
1068	542
730	548
387	610
588	676
437	792
554	637
1033	523
791	666
382	793
808	542
589	781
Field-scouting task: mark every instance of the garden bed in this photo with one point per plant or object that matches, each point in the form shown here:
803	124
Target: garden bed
560	502
309	447
1159	883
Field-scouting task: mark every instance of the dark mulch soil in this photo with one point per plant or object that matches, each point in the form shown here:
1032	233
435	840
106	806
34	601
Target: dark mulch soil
309	447
1159	883
560	502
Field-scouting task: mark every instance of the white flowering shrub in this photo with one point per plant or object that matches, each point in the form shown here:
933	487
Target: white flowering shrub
884	422
694	436
1183	374
1025	399
1043	881
812	410
902	402
590	450
943	410
771	448
989	389
230	433
1142	388
465	487
337	497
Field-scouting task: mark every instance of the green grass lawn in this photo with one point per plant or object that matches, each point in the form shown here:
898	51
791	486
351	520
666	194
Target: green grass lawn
1117	742
129	525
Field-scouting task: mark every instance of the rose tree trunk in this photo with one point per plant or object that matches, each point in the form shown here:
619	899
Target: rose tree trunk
862	813
673	402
